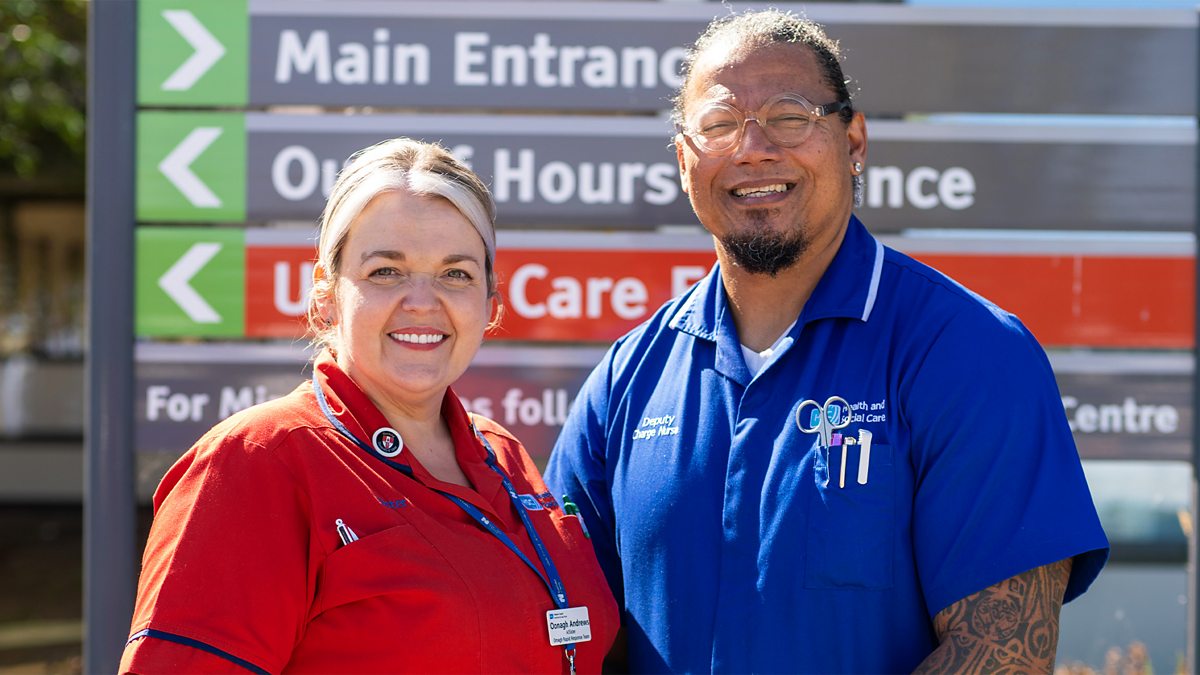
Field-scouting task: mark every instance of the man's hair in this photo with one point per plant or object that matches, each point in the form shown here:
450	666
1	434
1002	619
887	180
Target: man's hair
763	28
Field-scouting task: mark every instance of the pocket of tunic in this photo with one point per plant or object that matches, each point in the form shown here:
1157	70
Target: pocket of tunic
398	560
851	527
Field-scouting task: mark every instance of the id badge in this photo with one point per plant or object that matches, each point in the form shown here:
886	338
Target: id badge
568	626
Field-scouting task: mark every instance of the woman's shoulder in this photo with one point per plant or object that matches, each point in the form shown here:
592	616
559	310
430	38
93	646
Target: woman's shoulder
265	426
245	451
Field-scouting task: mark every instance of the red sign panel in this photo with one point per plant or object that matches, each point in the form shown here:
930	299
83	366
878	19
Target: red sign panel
597	295
589	296
1086	300
278	279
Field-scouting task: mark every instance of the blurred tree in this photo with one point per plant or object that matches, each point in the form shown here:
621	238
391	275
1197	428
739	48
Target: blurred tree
43	91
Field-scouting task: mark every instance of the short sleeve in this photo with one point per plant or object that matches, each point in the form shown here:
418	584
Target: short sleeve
578	469
1000	487
225	571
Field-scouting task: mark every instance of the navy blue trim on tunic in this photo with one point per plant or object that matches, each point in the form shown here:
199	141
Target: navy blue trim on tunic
189	642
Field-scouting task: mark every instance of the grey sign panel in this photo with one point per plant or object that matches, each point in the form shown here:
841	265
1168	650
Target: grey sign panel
1128	406
1119	407
1054	177
1004	68
621	172
182	391
593	64
625	55
548	171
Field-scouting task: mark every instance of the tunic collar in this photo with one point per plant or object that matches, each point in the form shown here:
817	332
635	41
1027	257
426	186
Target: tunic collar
848	289
354	409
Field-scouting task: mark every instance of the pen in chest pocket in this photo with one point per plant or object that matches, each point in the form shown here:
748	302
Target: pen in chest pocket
345	533
864	457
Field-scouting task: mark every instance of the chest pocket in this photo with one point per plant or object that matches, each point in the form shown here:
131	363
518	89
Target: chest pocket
397	562
851	526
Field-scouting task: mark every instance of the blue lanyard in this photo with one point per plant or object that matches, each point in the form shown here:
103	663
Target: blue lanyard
553	583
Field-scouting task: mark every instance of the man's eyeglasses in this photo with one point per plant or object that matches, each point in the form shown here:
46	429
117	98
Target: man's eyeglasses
787	120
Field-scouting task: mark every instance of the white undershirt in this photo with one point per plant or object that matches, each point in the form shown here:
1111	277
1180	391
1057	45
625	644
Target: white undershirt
756	361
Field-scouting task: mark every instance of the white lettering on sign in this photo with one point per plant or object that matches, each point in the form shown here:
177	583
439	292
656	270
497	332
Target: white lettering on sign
571	298
310	173
546	65
550	408
683	276
235	399
464	153
592	183
354	62
1128	417
480	406
924	187
176	406
286	302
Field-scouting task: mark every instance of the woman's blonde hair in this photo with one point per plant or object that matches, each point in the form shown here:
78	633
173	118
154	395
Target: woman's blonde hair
416	167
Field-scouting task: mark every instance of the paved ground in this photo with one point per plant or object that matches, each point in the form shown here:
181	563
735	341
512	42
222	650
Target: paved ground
41	589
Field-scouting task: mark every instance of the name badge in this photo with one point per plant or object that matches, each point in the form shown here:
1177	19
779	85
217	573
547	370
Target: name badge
568	626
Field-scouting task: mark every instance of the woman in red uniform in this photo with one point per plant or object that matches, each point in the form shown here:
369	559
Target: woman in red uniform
365	522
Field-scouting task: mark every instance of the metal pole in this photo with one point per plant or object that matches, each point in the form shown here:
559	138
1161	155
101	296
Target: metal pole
109	512
1193	629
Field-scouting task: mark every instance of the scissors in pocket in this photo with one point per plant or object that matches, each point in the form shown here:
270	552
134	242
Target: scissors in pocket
823	420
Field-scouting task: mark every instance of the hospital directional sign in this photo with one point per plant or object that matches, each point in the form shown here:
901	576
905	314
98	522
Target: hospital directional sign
627	55
1119	406
192	53
191	166
572	172
594	287
189	282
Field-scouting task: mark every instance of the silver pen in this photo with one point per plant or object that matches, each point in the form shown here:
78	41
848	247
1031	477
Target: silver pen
345	533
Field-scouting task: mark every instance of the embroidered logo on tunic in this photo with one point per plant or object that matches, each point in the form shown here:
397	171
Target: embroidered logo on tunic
651	427
393	503
533	502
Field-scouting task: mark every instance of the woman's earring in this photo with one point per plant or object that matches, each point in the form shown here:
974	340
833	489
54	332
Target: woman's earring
856	168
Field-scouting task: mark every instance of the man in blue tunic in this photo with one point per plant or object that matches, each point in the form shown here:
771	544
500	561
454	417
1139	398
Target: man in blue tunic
824	456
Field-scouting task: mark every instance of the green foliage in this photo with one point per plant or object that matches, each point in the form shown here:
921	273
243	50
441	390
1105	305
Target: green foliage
43	88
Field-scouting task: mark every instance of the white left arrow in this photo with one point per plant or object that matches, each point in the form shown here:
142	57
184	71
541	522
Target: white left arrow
176	166
208	50
176	283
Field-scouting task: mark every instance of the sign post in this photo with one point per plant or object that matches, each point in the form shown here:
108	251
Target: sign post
1193	594
109	508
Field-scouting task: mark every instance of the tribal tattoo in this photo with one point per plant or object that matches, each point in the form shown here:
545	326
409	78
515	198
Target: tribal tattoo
1011	627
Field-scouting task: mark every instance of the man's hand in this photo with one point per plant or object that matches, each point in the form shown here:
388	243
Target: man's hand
1011	627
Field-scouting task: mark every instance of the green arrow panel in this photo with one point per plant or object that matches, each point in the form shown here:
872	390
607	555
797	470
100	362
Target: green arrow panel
191	167
190	281
193	52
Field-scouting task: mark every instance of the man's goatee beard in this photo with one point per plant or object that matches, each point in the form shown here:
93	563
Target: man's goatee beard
761	251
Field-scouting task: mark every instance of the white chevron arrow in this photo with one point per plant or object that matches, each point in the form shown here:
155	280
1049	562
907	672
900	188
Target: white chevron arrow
208	50
176	166
176	283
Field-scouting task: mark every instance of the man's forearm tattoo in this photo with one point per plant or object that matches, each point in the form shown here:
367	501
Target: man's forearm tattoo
1011	627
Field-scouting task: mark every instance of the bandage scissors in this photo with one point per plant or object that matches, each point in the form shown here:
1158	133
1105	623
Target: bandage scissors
823	419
